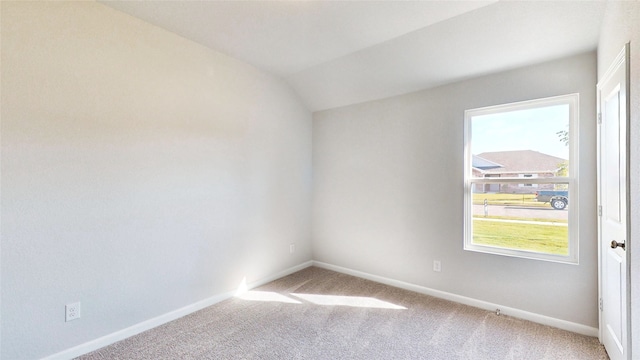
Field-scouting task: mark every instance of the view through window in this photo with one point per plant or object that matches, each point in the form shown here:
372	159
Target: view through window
520	188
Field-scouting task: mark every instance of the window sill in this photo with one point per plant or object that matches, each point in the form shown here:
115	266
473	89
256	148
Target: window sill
523	254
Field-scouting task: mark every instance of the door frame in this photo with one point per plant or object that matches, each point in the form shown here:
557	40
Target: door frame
623	56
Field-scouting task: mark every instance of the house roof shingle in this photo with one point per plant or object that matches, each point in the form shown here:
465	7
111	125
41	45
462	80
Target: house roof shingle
483	164
521	161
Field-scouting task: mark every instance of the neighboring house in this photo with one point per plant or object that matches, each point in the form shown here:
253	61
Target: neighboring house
520	163
480	168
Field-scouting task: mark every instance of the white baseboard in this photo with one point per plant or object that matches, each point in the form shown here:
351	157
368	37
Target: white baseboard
279	275
162	319
173	315
505	310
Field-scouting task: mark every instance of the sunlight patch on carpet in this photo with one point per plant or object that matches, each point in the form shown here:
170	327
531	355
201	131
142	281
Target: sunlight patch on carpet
354	301
266	296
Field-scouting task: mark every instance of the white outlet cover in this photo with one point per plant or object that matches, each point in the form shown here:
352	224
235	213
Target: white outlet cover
72	311
437	266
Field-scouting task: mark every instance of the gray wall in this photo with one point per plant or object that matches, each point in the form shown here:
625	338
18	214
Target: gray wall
141	173
388	192
621	24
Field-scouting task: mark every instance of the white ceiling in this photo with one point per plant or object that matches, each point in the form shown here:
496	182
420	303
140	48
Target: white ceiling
336	53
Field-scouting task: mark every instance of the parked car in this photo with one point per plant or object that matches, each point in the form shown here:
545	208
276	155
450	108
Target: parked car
559	199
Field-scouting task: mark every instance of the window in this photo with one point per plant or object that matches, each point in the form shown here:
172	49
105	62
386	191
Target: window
528	176
520	179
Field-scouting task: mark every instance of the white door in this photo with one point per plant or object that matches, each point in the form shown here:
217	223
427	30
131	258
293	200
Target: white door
612	194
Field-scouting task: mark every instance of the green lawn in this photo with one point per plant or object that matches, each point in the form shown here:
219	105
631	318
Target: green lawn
548	239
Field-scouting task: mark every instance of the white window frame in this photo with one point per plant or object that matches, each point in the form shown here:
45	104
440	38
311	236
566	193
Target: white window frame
572	180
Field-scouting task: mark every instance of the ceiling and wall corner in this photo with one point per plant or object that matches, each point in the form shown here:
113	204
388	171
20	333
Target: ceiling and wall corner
337	53
286	37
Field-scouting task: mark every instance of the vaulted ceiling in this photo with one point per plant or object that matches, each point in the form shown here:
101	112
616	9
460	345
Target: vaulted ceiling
336	53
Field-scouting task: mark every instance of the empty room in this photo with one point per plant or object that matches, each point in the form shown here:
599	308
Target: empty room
319	180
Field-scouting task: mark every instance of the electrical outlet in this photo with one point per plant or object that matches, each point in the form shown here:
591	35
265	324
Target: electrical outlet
72	311
292	248
437	266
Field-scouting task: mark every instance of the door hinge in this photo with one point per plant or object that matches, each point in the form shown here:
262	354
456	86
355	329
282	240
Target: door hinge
599	118
599	210
600	304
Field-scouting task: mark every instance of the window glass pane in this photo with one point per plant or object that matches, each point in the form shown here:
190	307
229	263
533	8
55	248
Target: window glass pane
531	143
535	220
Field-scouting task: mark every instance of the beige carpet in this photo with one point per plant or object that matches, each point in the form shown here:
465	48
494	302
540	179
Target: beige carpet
321	314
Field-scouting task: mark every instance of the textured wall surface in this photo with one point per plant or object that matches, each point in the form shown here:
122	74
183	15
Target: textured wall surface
388	192
141	173
621	25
